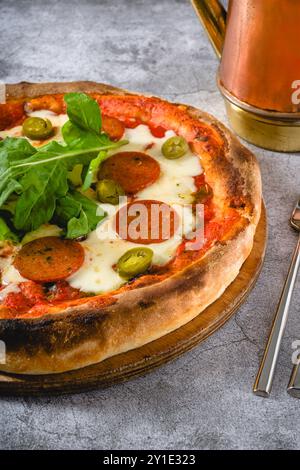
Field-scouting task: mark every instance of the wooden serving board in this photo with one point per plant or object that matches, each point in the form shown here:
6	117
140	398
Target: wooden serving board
140	361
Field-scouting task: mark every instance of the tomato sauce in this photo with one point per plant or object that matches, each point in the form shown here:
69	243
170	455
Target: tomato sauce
131	123
63	291
29	295
159	132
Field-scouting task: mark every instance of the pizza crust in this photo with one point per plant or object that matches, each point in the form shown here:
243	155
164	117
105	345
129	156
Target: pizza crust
88	333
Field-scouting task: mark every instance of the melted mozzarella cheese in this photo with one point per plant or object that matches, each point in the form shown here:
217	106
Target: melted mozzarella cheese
9	274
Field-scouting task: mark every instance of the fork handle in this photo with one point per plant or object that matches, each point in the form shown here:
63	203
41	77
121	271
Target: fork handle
264	379
294	384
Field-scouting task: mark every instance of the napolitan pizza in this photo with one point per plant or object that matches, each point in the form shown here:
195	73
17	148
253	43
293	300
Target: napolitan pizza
99	190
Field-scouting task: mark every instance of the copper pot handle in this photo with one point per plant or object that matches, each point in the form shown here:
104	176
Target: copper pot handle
212	15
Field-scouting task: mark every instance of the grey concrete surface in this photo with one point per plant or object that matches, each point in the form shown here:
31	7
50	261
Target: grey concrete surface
203	399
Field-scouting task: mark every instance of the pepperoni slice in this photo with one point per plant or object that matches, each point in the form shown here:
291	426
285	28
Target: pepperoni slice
146	221
49	259
113	127
134	171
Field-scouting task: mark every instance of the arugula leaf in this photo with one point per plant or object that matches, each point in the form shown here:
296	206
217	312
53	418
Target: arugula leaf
39	179
78	226
84	126
92	169
90	208
8	186
54	152
12	151
83	129
66	208
79	138
41	187
83	111
10	205
6	233
78	213
69	157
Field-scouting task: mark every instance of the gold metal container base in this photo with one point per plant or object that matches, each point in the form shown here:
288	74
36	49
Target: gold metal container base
267	129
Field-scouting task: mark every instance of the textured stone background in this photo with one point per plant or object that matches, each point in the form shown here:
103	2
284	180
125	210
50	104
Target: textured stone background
203	399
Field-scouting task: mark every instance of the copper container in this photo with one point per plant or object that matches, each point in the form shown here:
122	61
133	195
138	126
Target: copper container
259	75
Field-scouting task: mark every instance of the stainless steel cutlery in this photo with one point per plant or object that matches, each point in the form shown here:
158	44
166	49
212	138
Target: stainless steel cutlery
265	376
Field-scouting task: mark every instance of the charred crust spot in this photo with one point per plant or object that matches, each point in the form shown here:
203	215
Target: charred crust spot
52	334
236	204
146	304
201	138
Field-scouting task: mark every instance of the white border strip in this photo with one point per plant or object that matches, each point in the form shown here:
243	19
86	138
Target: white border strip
2	93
